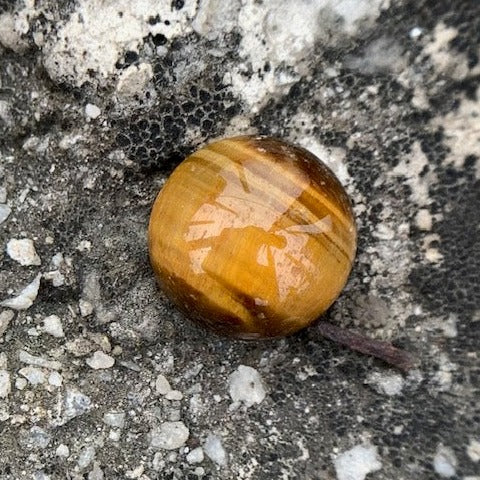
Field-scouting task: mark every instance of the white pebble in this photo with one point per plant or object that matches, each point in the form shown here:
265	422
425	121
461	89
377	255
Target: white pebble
55	379
38	438
473	450
246	385
100	360
86	308
445	462
114	419
96	473
5	212
423	219
75	403
174	395
53	326
92	111
26	297
20	383
3	360
5	385
214	449
5	318
35	376
169	436
195	456
62	451
357	463
114	435
86	457
29	359
387	384
415	32
23	252
162	386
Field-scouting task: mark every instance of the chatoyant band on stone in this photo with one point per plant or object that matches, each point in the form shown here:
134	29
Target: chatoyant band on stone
254	237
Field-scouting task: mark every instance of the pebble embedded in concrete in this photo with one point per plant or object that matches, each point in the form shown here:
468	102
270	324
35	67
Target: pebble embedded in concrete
169	435
195	456
114	419
390	384
75	403
445	462
5	318
92	111
357	463
162	385
5	385
100	360
41	362
246	385
214	450
174	395
86	457
53	326
23	251
473	450
34	375
5	212
25	298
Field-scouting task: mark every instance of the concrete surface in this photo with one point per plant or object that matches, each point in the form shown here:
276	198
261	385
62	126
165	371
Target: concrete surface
99	376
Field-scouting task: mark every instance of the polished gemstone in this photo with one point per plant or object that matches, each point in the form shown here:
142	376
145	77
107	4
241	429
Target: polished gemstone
252	236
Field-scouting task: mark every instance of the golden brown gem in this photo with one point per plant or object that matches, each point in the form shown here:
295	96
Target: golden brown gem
253	237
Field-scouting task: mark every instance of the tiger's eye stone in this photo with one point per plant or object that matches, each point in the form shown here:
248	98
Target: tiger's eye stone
252	236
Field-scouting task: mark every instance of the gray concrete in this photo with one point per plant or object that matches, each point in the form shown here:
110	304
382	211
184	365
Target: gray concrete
100	377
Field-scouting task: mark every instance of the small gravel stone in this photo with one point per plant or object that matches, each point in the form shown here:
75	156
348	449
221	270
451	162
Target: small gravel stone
246	385
86	308
53	326
35	376
5	385
214	449
114	435
473	450
26	297
169	436
114	419
86	457
3	360
357	463
26	357
23	251
5	318
5	212
55	379
387	384
96	473
174	395
20	383
196	455
92	111
75	404
62	451
100	360
38	438
445	462
162	386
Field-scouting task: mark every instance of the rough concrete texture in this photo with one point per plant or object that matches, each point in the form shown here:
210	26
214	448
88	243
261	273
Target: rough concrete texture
99	100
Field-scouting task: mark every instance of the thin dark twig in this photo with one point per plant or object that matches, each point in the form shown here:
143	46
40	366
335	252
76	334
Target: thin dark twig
369	346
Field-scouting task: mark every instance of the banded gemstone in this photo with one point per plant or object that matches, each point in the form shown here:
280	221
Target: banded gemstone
252	236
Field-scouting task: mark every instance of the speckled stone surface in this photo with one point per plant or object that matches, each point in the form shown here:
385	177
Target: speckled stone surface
100	377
